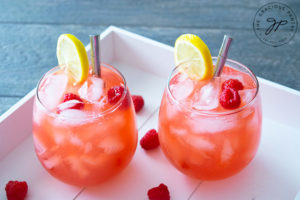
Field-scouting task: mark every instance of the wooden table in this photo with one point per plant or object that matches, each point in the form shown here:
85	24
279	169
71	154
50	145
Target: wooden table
29	31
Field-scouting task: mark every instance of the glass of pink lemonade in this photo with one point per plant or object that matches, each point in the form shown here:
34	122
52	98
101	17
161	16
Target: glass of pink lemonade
198	135
84	133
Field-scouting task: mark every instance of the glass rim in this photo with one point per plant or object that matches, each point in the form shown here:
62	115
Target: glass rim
212	113
89	116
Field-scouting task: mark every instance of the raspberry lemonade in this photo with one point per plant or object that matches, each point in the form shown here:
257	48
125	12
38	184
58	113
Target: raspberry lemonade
209	128
84	131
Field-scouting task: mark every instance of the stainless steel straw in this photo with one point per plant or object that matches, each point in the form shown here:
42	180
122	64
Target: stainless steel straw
95	54
222	55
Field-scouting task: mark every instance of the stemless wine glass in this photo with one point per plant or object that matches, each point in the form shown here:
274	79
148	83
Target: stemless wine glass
81	136
200	137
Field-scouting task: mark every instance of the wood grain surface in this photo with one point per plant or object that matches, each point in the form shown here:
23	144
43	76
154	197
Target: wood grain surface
29	31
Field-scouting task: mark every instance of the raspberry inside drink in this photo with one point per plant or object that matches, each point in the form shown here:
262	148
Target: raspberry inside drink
198	135
82	137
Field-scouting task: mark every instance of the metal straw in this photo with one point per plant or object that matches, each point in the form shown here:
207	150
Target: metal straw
95	54
222	55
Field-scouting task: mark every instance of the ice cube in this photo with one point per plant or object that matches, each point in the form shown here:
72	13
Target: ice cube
207	98
88	147
111	144
73	117
52	90
227	151
92	89
171	109
98	160
177	131
52	162
39	146
75	140
247	95
182	87
77	166
199	142
233	75
59	138
69	105
211	125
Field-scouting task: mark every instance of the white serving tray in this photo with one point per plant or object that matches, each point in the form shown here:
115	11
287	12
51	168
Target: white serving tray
146	64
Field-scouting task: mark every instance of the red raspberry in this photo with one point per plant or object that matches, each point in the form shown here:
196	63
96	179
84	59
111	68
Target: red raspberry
138	102
114	94
232	83
159	193
71	96
150	140
230	98
16	190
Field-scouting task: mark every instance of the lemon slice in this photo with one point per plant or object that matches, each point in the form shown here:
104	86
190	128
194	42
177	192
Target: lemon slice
71	53
189	46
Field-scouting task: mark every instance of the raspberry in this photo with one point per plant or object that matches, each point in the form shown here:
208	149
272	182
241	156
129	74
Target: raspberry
70	101
230	98
16	190
138	102
150	140
114	94
232	83
71	96
159	193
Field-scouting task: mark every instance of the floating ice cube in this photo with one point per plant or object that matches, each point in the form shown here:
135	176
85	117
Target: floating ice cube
92	89
88	147
52	90
207	98
68	104
77	166
100	159
75	140
182	88
52	161
199	142
40	148
233	75
177	131
171	109
111	144
73	117
212	124
59	137
227	151
247	95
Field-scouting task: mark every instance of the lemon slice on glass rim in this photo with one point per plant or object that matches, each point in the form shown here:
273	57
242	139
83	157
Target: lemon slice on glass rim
71	54
191	47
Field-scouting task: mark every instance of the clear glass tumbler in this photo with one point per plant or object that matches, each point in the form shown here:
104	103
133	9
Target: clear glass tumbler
81	136
201	138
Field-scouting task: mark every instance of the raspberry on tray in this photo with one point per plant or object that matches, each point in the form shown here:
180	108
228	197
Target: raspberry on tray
159	193
138	102
150	140
16	190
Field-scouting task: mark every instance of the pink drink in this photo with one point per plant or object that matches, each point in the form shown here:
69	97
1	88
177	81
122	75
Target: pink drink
83	145
200	137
